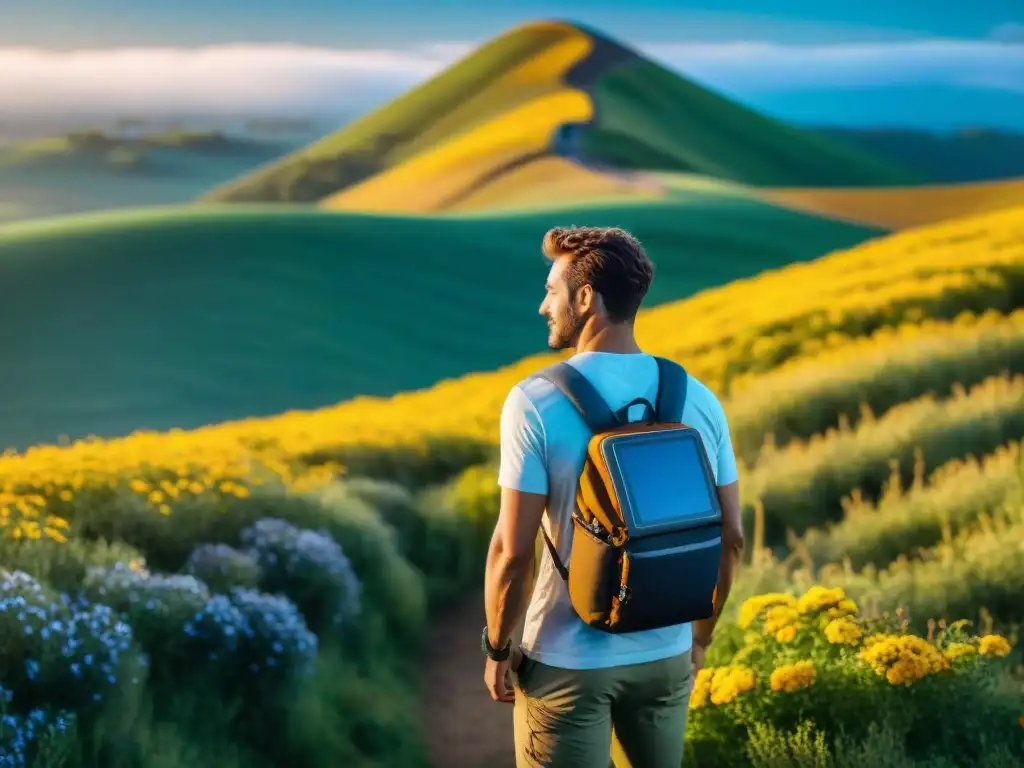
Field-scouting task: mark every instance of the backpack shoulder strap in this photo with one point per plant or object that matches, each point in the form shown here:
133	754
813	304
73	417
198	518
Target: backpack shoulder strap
592	408
672	382
582	394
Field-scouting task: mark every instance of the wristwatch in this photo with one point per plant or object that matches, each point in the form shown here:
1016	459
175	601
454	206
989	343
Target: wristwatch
490	652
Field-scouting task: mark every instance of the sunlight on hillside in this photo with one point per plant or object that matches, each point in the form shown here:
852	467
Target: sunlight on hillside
441	177
900	207
546	181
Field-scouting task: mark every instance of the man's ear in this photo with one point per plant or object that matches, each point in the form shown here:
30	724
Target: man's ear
585	299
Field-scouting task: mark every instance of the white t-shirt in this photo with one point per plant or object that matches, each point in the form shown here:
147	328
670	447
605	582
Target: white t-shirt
543	447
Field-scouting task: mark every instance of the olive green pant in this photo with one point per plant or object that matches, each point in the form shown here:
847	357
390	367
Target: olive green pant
631	716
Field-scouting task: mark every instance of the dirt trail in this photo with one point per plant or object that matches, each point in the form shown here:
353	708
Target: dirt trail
464	727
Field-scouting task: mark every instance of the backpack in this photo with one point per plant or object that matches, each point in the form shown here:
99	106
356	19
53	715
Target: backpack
647	523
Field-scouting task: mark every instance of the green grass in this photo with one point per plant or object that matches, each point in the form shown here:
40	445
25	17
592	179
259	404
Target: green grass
648	118
186	316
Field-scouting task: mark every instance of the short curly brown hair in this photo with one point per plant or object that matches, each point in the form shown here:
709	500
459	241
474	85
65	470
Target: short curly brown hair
610	260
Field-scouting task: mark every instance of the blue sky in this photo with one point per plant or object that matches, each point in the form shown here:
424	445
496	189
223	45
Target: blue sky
869	62
358	23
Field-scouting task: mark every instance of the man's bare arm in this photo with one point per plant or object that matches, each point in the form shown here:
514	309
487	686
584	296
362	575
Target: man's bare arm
510	559
732	554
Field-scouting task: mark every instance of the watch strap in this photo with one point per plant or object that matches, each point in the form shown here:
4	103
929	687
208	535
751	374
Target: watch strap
492	653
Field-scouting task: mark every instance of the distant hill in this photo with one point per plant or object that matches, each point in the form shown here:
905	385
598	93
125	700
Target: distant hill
552	89
93	148
981	154
91	170
185	316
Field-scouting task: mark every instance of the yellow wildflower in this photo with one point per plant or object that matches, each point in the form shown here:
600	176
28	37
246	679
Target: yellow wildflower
875	638
904	659
55	535
720	685
818	598
701	688
752	608
844	608
778	617
792	677
57	522
956	650
843	632
993	645
786	634
730	682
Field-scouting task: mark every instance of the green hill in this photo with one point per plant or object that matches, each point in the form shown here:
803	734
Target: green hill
982	154
181	317
643	116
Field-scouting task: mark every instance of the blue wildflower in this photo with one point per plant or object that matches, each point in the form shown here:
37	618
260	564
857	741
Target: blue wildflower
308	566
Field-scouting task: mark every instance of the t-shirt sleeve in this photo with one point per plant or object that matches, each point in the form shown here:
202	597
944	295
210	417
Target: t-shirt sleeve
523	464
727	470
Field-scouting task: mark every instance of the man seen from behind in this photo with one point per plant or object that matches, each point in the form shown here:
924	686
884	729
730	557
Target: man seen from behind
575	684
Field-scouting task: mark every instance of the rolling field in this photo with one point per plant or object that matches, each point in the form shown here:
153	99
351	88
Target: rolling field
180	317
877	401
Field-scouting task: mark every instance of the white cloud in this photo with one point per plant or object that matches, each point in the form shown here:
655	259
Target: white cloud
223	77
255	77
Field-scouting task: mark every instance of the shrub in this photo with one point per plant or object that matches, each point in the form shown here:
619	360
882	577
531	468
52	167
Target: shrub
394	605
454	523
222	568
275	645
40	737
61	653
63	566
307	566
59	656
231	644
814	659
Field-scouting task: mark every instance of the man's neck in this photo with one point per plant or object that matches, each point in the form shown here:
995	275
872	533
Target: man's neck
618	339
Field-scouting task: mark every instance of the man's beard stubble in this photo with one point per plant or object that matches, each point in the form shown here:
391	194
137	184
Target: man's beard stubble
566	333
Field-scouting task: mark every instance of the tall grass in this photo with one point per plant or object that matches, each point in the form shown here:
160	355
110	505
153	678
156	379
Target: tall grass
811	393
906	519
978	574
804	483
